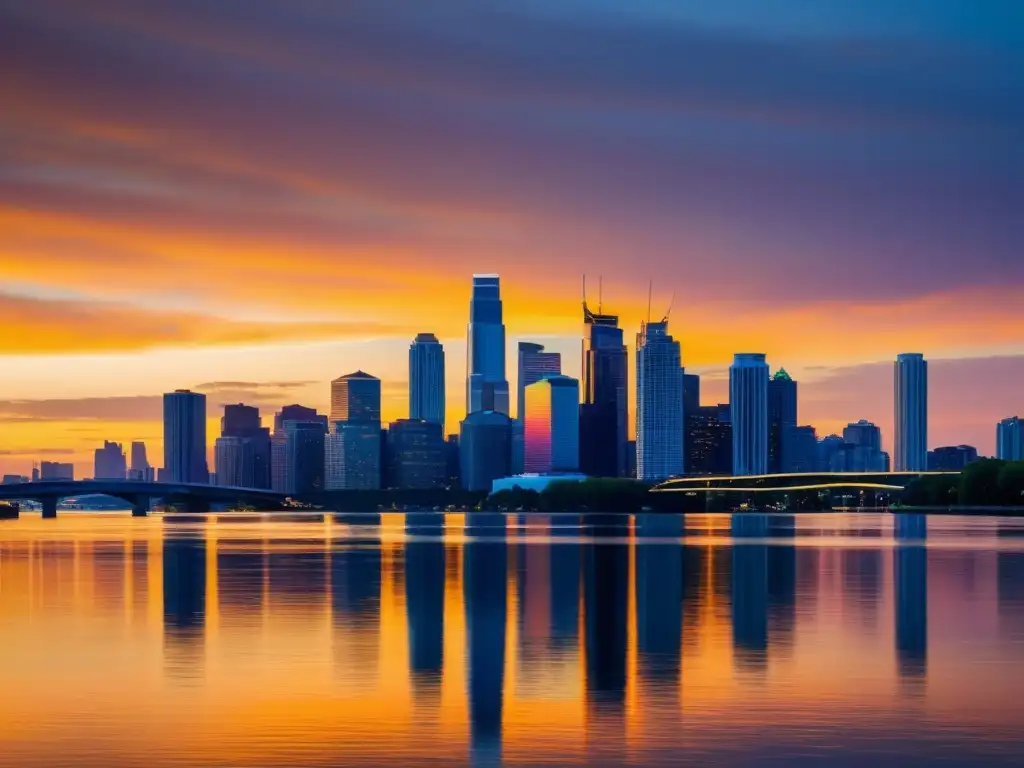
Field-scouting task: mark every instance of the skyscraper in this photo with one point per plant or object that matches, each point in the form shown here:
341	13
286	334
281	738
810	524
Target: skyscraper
426	379
865	453
297	456
1010	439
298	413
416	454
185	437
243	451
551	425
782	419
485	449
353	449
748	396
708	442
659	404
534	364
109	462
486	385
140	468
910	385
603	414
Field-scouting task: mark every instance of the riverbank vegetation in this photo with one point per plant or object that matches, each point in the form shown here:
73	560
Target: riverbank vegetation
983	483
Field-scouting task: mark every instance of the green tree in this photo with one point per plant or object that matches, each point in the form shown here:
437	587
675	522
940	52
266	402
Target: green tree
1011	484
979	483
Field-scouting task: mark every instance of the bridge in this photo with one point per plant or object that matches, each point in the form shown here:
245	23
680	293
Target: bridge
139	494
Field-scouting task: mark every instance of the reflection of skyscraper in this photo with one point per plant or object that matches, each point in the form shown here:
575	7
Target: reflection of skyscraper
185	437
424	599
782	419
748	404
551	428
911	412
484	595
606	596
184	588
781	566
566	562
659	404
659	599
749	591
426	379
1010	587
910	576
356	594
603	415
486	386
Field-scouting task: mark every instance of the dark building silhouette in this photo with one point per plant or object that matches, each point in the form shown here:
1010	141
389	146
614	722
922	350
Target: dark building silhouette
185	437
453	462
708	442
951	458
659	599
415	452
910	566
56	470
243	451
484	593
801	450
298	413
782	419
603	414
485	449
109	462
241	420
297	457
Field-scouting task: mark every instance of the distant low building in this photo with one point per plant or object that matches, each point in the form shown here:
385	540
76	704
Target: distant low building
56	470
951	458
13	480
109	462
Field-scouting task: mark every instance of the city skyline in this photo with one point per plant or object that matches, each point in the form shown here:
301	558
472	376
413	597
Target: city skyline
832	220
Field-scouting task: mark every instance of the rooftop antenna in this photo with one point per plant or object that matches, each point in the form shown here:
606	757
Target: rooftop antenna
671	304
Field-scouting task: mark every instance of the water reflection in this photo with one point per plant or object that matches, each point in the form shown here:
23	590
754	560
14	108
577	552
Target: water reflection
383	640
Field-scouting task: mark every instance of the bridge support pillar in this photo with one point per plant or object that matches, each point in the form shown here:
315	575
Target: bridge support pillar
49	507
140	507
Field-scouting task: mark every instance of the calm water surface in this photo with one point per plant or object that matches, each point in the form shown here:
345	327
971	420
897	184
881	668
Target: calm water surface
421	640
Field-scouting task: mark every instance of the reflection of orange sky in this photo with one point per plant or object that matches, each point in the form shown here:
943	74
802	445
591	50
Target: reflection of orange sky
85	642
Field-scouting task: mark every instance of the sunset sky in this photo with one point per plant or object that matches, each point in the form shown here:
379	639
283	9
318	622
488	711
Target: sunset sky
251	198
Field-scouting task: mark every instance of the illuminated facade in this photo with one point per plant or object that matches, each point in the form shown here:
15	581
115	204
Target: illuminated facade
534	364
659	404
910	389
356	398
1010	439
352	449
551	429
486	385
426	379
748	402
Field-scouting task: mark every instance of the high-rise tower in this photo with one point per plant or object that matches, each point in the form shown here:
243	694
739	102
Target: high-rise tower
605	405
659	404
1010	439
353	447
534	365
551	425
748	404
426	379
185	437
910	390
782	420
486	385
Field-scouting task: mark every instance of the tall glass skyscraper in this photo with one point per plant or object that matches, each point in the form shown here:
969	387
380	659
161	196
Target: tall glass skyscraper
748	404
486	385
782	420
534	364
604	413
185	437
659	404
1010	439
353	447
551	425
426	379
910	385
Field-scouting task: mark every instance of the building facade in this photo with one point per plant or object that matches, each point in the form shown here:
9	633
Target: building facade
551	425
748	404
782	419
659	404
243	452
534	364
426	379
866	453
185	437
56	470
297	450
486	384
708	441
353	449
140	468
485	449
109	462
416	454
1010	439
910	389
355	398
802	450
951	458
605	408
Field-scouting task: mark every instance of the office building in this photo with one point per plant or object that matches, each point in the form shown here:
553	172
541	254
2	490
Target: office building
13	480
604	412
748	404
866	453
485	449
802	450
243	451
109	462
56	470
910	385
426	379
659	404
185	437
353	448
140	468
1010	439
951	458
782	419
355	398
297	451
534	364
551	425
708	441
486	385
416	454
